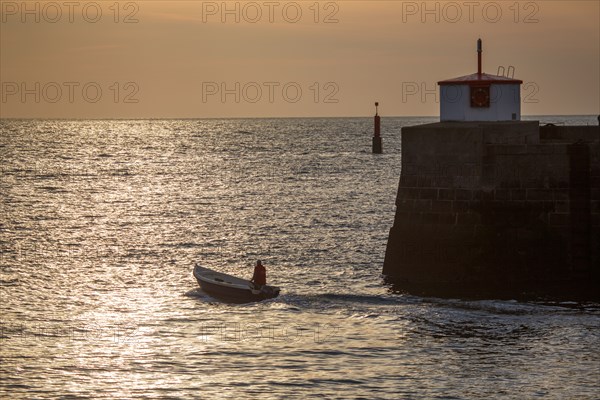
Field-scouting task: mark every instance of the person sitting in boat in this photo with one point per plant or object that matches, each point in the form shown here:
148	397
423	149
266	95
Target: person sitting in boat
260	275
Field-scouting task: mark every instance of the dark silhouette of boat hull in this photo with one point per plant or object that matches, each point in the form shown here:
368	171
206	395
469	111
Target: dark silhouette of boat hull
230	288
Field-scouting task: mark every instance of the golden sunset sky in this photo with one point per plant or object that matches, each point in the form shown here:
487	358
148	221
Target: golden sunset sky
198	59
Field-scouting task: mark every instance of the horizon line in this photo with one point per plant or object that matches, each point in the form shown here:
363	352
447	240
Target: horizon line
247	117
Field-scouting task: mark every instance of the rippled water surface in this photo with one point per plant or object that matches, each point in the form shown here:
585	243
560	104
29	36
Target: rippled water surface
102	221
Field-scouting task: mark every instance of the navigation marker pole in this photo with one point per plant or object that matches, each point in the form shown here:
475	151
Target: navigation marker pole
377	149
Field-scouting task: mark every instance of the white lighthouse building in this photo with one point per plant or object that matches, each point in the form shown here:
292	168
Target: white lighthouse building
480	97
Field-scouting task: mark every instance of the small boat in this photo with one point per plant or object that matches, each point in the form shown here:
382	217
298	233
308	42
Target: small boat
230	288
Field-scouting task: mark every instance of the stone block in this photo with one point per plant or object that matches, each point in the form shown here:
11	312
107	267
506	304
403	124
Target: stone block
446	194
466	181
430	218
535	205
424	181
561	206
560	149
442	206
428	194
422	205
515	149
535	149
463	194
558	219
407	193
465	231
532	182
407	180
405	205
539	194
447	218
518	194
561	194
502	194
484	195
549	206
460	206
468	218
410	169
402	218
443	182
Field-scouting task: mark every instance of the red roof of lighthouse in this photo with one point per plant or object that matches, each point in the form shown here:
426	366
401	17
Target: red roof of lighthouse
477	78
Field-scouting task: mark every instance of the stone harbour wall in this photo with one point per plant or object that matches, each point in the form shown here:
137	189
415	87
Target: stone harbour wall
499	209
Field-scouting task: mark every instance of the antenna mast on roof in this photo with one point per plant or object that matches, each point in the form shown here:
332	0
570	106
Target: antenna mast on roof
479	57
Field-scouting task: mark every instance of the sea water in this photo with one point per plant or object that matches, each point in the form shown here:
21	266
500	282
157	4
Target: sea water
102	221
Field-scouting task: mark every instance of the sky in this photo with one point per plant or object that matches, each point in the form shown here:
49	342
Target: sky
213	59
